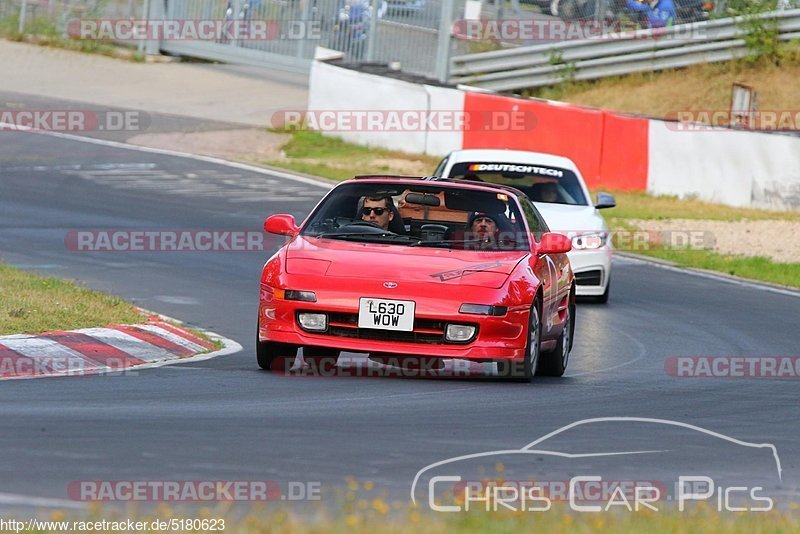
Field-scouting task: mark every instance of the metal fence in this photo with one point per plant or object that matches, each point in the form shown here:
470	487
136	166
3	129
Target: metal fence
420	36
53	16
405	32
640	51
394	31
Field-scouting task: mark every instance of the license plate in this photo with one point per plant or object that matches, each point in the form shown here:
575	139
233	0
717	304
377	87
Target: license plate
386	314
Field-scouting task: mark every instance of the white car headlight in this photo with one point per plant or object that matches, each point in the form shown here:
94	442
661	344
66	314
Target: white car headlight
589	241
313	321
459	333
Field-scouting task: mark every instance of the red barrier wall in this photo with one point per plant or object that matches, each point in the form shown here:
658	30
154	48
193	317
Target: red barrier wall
624	155
609	150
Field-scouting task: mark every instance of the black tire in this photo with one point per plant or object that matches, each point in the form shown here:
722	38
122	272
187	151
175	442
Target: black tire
524	371
554	362
275	356
602	299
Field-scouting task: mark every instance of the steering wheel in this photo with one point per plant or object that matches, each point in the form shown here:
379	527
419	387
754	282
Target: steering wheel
367	225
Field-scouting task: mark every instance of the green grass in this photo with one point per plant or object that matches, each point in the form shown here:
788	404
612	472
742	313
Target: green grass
44	32
312	153
752	267
310	144
367	515
30	304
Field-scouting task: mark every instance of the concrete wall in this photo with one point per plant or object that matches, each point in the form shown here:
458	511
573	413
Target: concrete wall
736	168
336	88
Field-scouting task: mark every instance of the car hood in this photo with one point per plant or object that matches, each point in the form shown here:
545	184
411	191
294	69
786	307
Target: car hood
344	259
567	218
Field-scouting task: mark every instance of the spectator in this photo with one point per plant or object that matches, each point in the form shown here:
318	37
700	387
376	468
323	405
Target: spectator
659	13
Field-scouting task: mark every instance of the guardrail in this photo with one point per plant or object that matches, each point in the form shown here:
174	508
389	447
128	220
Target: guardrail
623	53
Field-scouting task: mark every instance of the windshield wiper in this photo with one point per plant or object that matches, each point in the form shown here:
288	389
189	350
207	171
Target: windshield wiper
502	243
422	243
389	236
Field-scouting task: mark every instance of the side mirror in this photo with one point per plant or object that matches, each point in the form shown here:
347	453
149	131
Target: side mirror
554	244
605	200
281	224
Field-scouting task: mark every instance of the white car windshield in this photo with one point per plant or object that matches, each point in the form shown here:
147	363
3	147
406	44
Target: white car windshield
541	183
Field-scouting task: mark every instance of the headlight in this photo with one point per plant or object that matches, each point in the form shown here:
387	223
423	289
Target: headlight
459	333
589	241
291	294
482	309
317	322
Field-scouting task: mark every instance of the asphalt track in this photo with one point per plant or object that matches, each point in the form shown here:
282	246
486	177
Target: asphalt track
225	419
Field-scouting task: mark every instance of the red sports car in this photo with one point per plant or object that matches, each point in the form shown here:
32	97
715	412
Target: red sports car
424	268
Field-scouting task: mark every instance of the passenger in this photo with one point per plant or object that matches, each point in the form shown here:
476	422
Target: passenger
482	225
482	231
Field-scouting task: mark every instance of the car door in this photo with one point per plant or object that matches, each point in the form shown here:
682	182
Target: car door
553	271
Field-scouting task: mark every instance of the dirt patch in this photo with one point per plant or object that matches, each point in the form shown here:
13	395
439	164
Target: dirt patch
777	240
249	144
254	145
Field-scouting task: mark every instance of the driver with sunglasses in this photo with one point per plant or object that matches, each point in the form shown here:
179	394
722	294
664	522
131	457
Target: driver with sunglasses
376	210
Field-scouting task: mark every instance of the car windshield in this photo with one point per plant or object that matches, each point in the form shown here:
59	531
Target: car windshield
541	183
420	215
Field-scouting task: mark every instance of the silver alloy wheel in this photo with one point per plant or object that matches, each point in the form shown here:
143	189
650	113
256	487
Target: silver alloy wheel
533	339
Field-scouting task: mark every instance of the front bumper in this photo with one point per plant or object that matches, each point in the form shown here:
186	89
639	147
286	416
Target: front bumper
592	269
497	338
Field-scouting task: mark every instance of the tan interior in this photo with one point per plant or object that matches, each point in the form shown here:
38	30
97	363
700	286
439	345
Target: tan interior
430	213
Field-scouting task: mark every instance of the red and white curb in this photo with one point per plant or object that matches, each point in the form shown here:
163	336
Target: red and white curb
112	349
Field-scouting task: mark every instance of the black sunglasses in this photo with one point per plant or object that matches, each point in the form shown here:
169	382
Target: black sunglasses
378	211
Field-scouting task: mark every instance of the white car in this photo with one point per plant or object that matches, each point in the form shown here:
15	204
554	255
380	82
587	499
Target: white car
557	189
